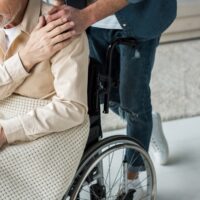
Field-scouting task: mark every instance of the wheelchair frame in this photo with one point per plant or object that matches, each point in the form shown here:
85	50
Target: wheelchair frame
101	84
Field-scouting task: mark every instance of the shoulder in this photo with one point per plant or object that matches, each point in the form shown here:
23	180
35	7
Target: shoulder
76	48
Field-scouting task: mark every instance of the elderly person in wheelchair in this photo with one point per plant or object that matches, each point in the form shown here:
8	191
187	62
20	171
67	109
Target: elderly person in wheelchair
43	90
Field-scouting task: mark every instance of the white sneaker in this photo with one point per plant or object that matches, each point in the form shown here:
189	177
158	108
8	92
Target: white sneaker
136	185
158	145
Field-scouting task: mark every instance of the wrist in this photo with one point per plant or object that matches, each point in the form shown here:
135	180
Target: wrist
26	61
91	17
103	8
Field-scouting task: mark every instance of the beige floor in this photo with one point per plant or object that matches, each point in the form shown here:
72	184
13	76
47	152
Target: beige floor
180	179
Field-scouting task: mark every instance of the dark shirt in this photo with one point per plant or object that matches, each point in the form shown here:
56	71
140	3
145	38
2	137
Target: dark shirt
142	18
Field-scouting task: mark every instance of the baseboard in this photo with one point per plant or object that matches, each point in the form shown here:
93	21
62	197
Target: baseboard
173	37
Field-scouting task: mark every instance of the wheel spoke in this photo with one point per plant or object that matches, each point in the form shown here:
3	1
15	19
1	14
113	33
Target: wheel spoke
116	180
110	163
108	173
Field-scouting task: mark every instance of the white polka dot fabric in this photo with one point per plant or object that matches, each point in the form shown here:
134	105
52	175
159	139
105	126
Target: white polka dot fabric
43	169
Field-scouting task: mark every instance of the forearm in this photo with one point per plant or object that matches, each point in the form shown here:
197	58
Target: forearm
56	116
84	18
103	8
99	9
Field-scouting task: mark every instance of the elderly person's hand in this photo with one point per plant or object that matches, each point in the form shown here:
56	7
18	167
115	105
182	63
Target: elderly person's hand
3	139
45	40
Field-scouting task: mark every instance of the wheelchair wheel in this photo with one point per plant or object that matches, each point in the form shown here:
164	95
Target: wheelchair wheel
102	174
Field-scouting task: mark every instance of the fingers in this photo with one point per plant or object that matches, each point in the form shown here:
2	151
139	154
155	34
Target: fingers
60	29
41	23
56	14
62	37
52	25
53	10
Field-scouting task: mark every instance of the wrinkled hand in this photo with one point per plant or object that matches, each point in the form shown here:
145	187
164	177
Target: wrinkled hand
45	40
79	17
3	139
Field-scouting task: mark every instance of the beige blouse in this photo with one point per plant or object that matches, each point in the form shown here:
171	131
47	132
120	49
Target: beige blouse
62	79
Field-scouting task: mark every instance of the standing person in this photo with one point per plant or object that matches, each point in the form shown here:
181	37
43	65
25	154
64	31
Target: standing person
145	21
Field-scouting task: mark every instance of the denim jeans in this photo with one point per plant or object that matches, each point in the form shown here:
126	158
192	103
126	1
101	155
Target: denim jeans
131	99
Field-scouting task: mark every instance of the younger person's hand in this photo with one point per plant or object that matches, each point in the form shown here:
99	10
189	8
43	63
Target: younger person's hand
81	19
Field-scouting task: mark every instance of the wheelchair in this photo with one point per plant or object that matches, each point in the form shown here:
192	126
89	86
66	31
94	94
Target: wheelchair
102	172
